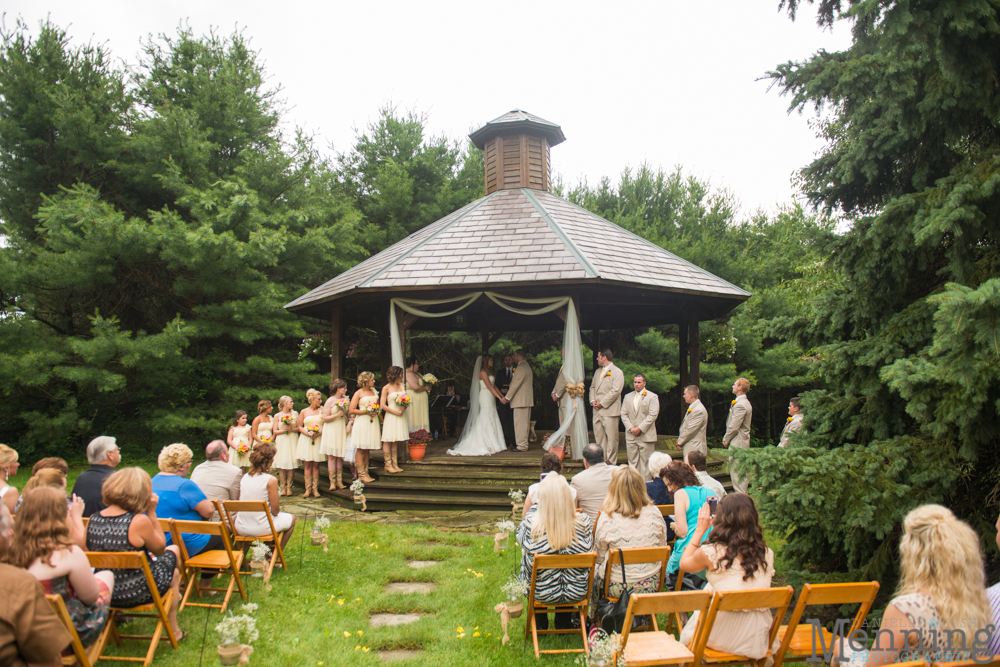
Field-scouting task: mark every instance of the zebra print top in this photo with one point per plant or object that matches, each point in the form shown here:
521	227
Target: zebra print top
555	586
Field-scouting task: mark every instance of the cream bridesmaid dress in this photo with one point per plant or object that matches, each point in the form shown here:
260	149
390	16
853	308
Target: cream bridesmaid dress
334	442
309	448
264	430
367	433
418	415
287	445
394	428
241	434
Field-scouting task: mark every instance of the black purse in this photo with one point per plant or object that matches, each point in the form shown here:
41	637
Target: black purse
611	615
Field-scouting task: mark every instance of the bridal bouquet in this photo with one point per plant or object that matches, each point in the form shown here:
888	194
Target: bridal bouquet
403	400
429	378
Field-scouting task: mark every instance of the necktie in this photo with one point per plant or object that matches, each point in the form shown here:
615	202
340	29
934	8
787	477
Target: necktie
635	402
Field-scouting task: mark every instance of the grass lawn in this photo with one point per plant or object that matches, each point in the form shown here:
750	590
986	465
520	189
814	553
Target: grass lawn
304	618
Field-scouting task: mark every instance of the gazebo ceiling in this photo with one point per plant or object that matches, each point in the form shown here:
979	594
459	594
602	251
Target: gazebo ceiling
530	243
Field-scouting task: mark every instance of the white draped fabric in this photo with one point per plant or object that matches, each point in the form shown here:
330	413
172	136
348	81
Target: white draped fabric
575	423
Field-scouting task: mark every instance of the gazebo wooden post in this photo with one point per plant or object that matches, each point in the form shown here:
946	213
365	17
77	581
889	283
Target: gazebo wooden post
385	348
336	342
682	343
695	351
484	335
597	345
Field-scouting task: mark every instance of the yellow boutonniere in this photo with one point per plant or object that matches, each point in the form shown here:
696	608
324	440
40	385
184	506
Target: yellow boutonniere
690	409
643	392
789	420
608	374
733	402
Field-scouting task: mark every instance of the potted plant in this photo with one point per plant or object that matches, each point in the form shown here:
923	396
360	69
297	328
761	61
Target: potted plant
316	535
558	450
515	590
258	555
417	445
233	630
504	528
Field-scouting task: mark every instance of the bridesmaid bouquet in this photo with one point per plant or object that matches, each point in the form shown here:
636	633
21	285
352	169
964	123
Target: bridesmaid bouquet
243	447
429	378
265	440
313	431
288	420
373	409
403	400
343	404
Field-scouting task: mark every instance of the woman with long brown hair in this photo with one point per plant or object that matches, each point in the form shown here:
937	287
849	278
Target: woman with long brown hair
259	485
689	496
734	557
261	426
42	545
395	430
239	438
286	442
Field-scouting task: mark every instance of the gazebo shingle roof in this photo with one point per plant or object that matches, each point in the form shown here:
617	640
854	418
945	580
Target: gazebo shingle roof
521	236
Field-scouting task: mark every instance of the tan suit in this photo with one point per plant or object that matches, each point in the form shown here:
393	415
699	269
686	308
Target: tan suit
791	427
521	396
738	434
639	409
692	436
218	480
560	391
592	487
607	388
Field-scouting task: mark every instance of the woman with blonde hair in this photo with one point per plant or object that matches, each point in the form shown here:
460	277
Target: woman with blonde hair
367	428
334	444
395	430
8	465
940	602
261	426
42	545
553	526
309	441
286	442
129	523
628	520
239	436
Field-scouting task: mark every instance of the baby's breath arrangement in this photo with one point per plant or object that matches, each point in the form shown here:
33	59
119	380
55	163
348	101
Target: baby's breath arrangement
357	487
237	629
259	551
515	589
603	649
516	495
320	524
505	526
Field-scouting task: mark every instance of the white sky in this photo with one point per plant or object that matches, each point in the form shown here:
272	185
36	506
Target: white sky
662	81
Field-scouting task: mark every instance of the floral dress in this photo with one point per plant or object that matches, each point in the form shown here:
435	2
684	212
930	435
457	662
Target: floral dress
88	620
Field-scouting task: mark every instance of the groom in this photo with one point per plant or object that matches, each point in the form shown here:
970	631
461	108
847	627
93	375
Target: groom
521	398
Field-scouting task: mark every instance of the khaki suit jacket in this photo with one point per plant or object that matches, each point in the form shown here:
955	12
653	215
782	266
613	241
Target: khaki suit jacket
694	428
521	392
791	427
592	487
608	390
644	417
738	423
218	480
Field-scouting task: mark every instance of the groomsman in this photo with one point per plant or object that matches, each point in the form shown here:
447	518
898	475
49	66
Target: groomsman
738	426
521	397
606	398
559	394
503	378
794	421
640	409
692	437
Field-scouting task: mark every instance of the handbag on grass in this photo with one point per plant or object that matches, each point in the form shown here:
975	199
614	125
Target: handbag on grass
611	615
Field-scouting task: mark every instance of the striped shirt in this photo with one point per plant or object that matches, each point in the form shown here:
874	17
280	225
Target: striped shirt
555	586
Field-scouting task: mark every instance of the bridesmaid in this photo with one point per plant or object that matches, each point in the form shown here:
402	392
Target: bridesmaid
334	444
367	432
286	441
395	430
239	434
261	427
309	442
418	415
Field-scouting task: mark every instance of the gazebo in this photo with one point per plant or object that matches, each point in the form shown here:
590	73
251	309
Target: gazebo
523	241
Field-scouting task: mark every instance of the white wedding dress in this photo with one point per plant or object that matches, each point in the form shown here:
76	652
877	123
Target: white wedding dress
482	435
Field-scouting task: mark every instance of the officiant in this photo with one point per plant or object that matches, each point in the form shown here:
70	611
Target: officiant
502	382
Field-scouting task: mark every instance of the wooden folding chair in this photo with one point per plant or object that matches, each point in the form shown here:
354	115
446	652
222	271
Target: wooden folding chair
224	560
84	656
560	562
136	560
656	647
637	555
797	641
243	542
665	510
769	598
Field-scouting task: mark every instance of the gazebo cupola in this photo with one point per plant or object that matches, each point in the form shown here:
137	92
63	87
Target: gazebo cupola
516	147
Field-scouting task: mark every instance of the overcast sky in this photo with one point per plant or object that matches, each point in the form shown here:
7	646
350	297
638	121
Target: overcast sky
666	82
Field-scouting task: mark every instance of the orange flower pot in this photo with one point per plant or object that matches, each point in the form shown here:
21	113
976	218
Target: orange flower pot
417	451
559	451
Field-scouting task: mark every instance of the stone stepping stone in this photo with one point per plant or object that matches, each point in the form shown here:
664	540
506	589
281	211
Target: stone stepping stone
417	564
401	654
388	620
440	544
406	587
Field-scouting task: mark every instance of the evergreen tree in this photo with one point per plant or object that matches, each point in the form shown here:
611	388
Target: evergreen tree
904	326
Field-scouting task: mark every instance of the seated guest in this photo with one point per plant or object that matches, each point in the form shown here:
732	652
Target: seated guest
591	484
53	462
689	496
656	489
551	463
940	596
53	479
628	520
128	523
30	632
8	466
734	557
104	455
699	464
43	547
216	477
258	485
552	526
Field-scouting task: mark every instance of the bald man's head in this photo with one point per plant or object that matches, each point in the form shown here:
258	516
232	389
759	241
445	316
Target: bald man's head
215	450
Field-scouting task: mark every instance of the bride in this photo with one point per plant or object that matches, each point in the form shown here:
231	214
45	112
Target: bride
482	435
